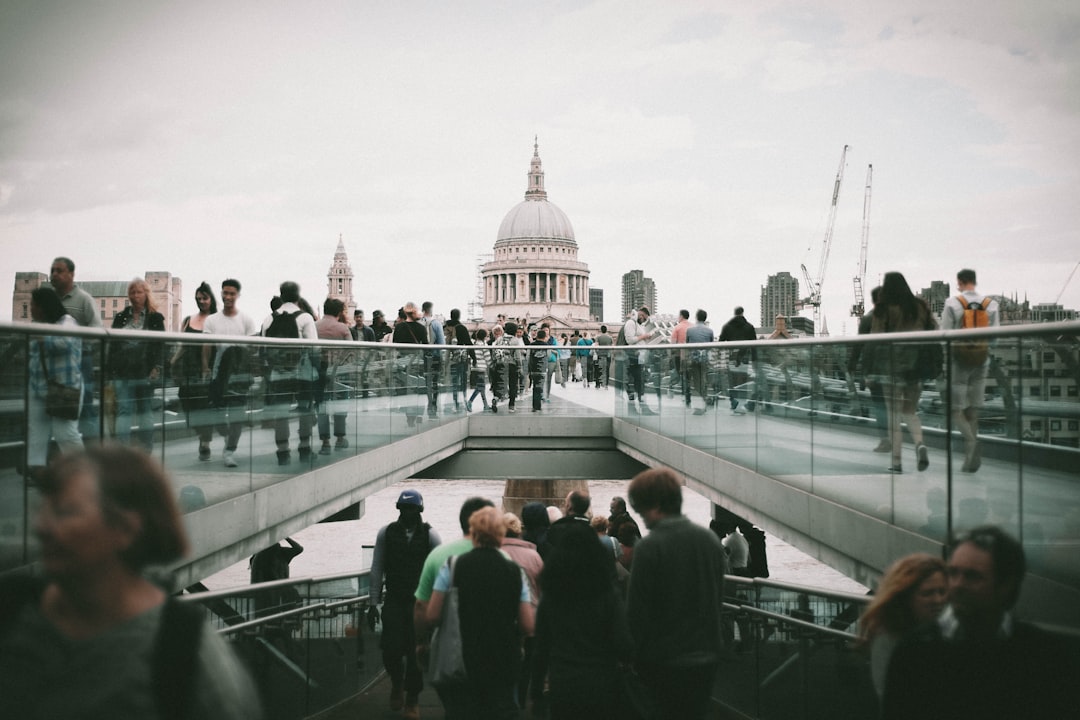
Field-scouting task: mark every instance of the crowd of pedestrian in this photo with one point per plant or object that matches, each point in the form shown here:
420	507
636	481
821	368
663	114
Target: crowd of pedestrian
556	616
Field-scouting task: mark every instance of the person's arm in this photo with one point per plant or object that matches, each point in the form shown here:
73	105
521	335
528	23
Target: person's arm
526	618
432	614
376	573
294	549
155	350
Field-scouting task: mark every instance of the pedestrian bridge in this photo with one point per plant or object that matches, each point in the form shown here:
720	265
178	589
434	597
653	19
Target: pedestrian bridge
800	464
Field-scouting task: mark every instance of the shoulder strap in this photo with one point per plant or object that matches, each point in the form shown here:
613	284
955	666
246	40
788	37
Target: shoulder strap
176	650
986	302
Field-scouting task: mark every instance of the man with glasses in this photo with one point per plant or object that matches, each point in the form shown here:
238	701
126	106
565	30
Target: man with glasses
980	661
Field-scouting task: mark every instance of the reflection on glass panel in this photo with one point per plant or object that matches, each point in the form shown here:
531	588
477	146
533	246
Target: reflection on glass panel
13	387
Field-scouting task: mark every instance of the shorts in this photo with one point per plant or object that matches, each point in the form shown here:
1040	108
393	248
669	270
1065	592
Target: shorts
968	389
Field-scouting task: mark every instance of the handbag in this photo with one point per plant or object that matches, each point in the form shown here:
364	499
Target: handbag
447	657
61	401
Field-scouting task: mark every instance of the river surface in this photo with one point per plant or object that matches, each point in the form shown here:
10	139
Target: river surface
338	547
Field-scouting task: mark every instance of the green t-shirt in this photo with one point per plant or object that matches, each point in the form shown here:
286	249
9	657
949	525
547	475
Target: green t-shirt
435	560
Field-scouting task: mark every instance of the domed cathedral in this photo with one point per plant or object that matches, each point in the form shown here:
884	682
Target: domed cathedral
535	274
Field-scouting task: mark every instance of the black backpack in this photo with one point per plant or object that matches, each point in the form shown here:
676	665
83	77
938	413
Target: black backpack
284	325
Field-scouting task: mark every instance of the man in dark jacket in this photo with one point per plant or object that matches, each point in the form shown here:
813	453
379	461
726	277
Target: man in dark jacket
736	329
677	633
400	551
457	334
621	525
981	661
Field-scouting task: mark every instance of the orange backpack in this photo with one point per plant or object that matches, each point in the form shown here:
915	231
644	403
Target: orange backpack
973	353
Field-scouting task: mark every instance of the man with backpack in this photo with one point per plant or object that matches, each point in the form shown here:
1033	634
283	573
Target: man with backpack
401	548
291	371
970	360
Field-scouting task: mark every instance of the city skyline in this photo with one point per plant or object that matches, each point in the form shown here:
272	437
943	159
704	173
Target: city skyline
698	144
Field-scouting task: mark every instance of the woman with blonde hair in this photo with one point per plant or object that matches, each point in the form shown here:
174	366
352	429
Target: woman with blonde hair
135	366
495	611
909	600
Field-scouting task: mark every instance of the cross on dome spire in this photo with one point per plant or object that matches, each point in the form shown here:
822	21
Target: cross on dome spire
536	190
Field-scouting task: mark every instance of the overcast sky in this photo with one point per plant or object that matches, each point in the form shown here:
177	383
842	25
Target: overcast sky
697	141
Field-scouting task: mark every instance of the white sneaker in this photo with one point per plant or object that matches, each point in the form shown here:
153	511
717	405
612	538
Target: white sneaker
230	459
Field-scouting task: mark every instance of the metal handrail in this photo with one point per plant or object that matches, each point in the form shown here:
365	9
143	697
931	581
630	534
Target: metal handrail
1064	328
838	595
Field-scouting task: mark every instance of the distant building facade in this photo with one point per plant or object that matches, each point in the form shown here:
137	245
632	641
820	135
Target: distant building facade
535	273
596	304
109	295
1051	312
779	296
936	295
637	291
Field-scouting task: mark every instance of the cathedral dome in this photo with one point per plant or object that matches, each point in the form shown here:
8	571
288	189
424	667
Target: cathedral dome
535	219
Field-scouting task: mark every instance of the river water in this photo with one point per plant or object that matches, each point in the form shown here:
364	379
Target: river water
337	547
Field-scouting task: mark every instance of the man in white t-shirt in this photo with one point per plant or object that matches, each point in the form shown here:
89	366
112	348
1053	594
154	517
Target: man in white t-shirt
967	390
225	365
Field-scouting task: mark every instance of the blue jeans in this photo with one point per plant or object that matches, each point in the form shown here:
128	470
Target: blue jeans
133	403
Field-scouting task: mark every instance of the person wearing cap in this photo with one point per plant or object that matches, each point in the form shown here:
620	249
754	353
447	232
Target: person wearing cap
400	551
379	326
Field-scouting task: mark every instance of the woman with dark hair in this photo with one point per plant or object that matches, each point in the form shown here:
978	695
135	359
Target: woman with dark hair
535	522
84	641
909	599
581	629
135	366
56	359
187	371
895	365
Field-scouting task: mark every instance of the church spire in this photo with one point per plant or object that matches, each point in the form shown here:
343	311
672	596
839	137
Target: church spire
536	175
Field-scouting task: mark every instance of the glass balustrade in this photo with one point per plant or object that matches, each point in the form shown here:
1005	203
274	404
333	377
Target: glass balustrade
807	412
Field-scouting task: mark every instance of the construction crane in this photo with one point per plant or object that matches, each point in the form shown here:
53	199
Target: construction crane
1067	281
859	308
814	286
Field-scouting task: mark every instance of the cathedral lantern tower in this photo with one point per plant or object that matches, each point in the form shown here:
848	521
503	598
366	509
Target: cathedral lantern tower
340	279
535	272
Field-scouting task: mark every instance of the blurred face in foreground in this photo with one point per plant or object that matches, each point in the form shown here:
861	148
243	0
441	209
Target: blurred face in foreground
973	588
77	539
929	599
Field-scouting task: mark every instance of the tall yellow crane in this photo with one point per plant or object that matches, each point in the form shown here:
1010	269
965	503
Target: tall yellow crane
859	308
814	285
